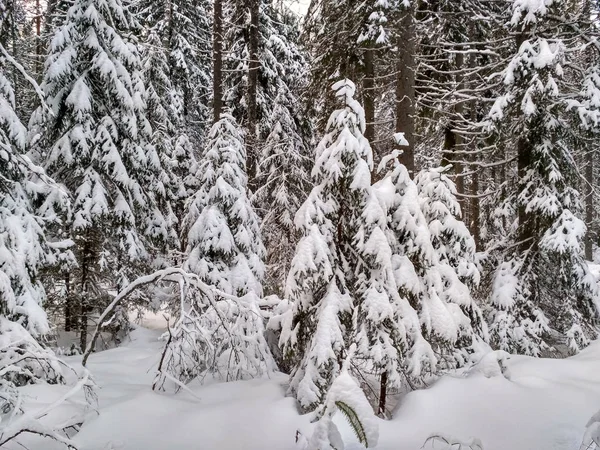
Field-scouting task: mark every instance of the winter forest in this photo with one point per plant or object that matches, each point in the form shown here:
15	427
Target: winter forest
259	224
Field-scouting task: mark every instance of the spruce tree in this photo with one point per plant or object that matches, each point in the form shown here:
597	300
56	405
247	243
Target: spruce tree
340	283
281	68
221	329
282	181
451	239
542	285
23	249
448	319
97	143
224	245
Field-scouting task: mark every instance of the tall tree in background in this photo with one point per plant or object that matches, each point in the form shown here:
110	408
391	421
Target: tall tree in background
543	284
253	83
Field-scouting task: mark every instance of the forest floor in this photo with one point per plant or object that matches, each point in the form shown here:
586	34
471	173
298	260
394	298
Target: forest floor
545	405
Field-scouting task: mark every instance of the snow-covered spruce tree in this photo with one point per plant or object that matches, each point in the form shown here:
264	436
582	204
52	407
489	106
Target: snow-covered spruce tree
23	248
451	239
184	31
542	286
97	143
449	318
222	333
340	282
282	181
282	67
27	201
173	146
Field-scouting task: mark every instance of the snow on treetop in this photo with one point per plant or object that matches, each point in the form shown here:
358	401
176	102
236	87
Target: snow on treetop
345	90
528	11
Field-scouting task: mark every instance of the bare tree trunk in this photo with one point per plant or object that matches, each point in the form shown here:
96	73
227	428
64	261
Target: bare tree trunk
453	143
87	259
382	395
524	160
217	59
253	67
70	317
369	94
589	203
405	86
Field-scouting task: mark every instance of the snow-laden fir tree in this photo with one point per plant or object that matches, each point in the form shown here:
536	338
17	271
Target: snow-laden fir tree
173	146
282	181
222	332
282	67
96	142
182	31
451	239
542	286
27	202
448	317
340	282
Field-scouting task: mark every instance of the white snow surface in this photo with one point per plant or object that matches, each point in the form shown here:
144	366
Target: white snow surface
545	405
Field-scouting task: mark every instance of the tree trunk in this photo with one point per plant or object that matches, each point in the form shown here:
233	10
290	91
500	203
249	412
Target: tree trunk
382	395
524	160
589	203
86	260
70	317
369	94
253	67
405	87
217	59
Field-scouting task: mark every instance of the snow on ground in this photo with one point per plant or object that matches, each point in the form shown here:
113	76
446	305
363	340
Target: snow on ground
544	406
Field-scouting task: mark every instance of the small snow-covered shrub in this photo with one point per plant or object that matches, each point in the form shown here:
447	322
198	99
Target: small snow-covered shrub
24	361
345	396
591	438
444	442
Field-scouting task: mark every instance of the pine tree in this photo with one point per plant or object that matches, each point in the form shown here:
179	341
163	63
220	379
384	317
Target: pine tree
23	249
542	285
451	239
97	143
340	286
282	179
221	329
282	69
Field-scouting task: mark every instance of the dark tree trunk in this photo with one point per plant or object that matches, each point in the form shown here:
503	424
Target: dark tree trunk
524	159
405	87
526	226
70	313
87	259
382	395
253	67
452	144
589	203
369	94
217	59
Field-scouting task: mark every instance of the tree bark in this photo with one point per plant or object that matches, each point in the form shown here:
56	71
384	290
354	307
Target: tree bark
405	86
369	94
253	67
217	59
589	203
382	395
